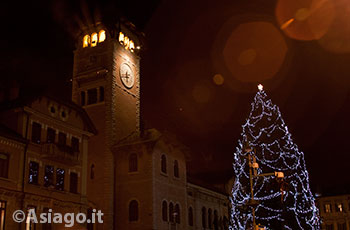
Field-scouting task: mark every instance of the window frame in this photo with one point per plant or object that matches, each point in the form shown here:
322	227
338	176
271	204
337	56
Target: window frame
34	181
48	136
73	185
165	211
58	186
133	211
133	163
176	169
36	132
190	216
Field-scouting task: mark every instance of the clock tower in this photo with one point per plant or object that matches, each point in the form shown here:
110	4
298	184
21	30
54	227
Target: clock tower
106	83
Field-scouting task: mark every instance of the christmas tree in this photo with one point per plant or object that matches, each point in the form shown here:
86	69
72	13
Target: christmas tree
269	165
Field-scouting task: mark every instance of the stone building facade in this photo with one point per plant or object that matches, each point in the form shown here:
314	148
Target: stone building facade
137	178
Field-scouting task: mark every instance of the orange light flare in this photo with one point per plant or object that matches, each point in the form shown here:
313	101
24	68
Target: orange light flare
254	51
305	19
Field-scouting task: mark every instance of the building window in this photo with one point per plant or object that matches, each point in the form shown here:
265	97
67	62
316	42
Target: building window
33	172
171	212
177	213
216	220
36	132
46	226
30	225
176	169
94	39
101	36
133	210
51	135
133	162
92	96
2	214
163	164
92	172
86	41
329	227
75	144
190	216
4	165
102	93
342	226
82	98
209	218
327	208
48	178
89	225
204	217
165	211
340	207
73	183
62	138
60	179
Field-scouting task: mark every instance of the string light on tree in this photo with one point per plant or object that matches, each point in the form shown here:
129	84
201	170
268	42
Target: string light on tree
278	203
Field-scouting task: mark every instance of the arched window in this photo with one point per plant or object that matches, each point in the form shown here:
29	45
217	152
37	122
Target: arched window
204	217
86	41
190	216
165	211
171	212
216	220
163	164
177	213
133	163
94	39
92	172
176	169
101	36
133	210
209	218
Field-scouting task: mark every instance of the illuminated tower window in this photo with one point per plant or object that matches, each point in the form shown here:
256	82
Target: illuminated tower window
121	37
86	41
94	39
101	36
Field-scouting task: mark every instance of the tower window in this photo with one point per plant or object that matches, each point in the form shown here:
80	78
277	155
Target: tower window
51	135
204	217
33	172
73	183
327	208
190	216
36	132
92	96
75	144
101	36
2	214
171	212
60	179
82	98
62	137
92	172
164	211
133	210
177	213
163	164
4	165
94	39
133	163
102	93
86	41
48	178
176	169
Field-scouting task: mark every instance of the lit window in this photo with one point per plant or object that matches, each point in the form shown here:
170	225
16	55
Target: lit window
190	216
48	178
176	169
121	37
163	164
126	42
60	179
86	41
4	165
101	36
33	172
36	132
2	214
73	183
133	210
133	162
340	207
94	39
132	45
165	211
327	208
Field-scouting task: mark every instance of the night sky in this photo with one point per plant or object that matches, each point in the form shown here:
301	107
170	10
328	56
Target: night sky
305	70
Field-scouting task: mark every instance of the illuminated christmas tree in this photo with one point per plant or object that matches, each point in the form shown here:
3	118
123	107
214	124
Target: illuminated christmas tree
270	164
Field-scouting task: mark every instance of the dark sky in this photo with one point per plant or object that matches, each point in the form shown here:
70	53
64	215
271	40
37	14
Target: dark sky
188	43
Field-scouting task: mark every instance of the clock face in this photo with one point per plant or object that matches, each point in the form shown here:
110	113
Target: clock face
126	75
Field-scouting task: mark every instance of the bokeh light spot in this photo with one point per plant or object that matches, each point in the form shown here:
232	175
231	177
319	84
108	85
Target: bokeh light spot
302	14
247	57
201	93
218	79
